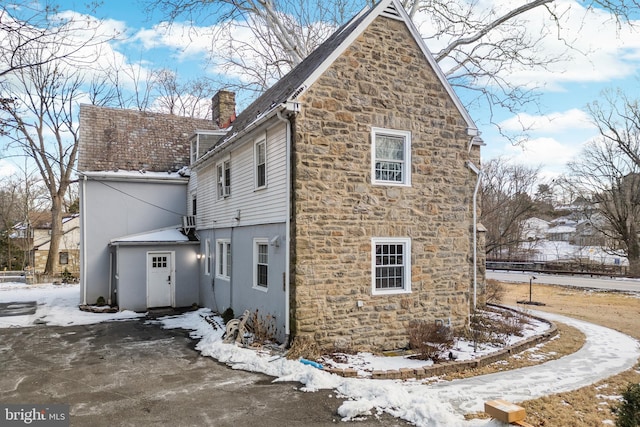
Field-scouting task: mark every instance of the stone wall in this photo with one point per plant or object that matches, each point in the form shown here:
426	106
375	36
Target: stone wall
118	139
381	80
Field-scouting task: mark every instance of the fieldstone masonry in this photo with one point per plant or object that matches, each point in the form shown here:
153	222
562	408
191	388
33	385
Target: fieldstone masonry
381	80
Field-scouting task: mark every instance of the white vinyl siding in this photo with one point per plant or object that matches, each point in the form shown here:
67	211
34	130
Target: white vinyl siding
268	205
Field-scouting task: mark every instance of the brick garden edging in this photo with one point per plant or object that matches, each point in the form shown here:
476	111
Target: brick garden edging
458	366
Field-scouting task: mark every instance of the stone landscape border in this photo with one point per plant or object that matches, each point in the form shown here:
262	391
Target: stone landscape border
458	366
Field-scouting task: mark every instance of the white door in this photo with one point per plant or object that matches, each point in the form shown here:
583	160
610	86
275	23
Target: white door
159	279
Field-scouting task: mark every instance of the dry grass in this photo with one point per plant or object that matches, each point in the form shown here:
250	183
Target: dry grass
587	406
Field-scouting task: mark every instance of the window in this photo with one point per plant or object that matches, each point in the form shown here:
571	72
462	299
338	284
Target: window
391	265
223	256
391	157
261	264
224	179
63	258
159	262
207	257
261	163
194	149
194	206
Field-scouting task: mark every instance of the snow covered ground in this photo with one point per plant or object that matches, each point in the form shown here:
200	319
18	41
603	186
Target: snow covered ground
57	305
605	353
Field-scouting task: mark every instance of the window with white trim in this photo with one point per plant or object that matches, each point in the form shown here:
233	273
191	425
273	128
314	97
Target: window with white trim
224	179
223	257
260	156
261	264
390	157
391	265
207	257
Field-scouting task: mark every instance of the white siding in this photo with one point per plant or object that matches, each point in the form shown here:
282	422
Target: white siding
268	205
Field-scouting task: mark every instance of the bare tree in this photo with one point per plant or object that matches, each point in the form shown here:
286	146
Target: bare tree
607	173
11	212
475	44
41	122
506	203
26	27
189	99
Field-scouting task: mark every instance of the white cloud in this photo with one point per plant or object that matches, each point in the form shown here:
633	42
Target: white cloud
7	168
553	123
185	39
552	153
590	45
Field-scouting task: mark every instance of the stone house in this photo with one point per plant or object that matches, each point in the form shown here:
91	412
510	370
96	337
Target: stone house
340	204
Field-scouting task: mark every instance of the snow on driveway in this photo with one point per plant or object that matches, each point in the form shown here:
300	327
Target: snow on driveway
56	305
605	353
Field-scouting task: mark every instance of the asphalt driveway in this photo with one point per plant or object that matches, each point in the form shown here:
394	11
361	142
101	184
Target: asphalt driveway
130	373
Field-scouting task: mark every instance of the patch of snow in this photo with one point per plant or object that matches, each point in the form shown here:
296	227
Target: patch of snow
57	305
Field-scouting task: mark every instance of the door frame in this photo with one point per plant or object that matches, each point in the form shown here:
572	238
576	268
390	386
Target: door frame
172	273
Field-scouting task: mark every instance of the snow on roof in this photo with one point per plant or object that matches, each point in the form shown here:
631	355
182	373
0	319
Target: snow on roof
562	229
137	174
163	235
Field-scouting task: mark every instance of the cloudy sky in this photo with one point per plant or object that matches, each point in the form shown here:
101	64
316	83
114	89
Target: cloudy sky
602	55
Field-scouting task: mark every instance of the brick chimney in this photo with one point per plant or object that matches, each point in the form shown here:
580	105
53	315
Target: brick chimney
224	108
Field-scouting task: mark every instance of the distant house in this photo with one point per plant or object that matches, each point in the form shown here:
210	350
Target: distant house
339	204
34	237
534	229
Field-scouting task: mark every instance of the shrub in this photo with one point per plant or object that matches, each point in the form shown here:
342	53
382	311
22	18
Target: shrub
495	326
263	327
494	291
100	302
628	412
227	315
430	340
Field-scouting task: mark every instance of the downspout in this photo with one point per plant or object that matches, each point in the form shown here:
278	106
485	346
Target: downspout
477	171
83	263
287	302
110	275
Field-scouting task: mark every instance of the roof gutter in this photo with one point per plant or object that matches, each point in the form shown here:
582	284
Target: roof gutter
261	119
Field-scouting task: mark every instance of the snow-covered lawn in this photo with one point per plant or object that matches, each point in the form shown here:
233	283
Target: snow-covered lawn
605	353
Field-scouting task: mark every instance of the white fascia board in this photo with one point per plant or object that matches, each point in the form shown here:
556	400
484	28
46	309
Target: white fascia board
164	177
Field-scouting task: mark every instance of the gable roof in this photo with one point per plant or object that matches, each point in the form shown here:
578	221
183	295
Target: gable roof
298	80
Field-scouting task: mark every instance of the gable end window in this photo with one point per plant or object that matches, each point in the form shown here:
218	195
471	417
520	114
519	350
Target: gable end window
391	265
390	157
224	179
261	163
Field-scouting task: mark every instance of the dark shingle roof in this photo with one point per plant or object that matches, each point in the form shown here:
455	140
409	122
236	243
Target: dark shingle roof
284	88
